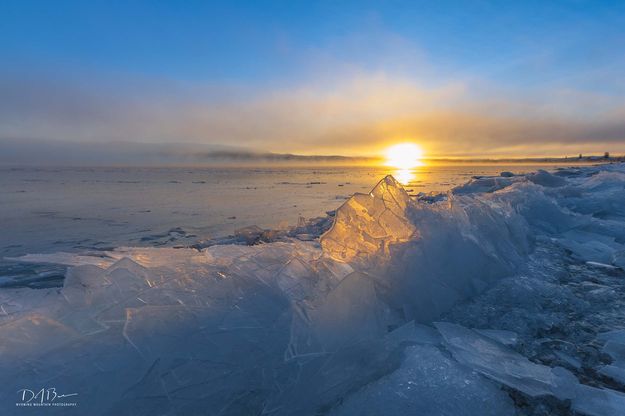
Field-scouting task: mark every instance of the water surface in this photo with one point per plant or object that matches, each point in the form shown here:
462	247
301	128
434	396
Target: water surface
68	209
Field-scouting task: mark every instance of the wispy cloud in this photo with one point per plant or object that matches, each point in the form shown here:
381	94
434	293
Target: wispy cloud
479	80
355	112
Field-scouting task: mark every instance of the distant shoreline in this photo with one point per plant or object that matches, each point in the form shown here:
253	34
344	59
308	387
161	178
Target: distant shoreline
583	159
278	160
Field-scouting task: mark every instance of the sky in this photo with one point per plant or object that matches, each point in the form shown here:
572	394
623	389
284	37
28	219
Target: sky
148	80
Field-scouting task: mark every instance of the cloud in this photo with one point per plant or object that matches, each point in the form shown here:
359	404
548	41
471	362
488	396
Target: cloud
355	113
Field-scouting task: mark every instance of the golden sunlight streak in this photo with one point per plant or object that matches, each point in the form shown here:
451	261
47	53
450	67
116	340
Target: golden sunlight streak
404	176
404	156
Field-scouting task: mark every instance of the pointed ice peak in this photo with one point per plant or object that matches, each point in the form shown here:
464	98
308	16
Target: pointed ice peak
389	189
386	184
389	180
368	224
128	264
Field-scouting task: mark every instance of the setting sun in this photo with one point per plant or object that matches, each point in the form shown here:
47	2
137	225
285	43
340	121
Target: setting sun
404	156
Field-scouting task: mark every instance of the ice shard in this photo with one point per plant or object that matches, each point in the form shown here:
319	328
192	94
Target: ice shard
369	224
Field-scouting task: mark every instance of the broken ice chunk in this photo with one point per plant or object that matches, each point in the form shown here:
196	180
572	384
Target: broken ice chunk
368	224
81	282
614	372
508	338
616	337
414	333
544	178
478	185
504	365
302	344
589	246
296	279
30	336
15	303
428	383
592	401
124	281
570	361
350	313
615	347
158	330
250	235
144	256
68	259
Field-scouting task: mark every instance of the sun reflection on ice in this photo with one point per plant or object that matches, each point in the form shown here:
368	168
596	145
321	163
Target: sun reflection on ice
404	176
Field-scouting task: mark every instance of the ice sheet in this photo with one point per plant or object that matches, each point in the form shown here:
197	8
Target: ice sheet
328	326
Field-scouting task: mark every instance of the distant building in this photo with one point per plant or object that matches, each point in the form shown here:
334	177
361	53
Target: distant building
580	156
606	155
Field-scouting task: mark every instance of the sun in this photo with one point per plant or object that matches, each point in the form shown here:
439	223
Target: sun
404	156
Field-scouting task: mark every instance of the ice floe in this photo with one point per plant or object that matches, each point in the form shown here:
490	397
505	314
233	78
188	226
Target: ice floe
502	296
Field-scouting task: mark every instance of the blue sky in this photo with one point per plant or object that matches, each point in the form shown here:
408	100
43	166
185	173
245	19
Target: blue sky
268	41
501	76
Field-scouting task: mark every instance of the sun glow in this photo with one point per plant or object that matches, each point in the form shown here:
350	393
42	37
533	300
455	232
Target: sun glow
404	156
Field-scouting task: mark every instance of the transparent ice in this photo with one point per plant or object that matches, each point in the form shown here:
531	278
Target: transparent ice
502	296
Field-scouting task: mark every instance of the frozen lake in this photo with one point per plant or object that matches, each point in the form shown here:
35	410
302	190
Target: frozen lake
71	209
504	296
